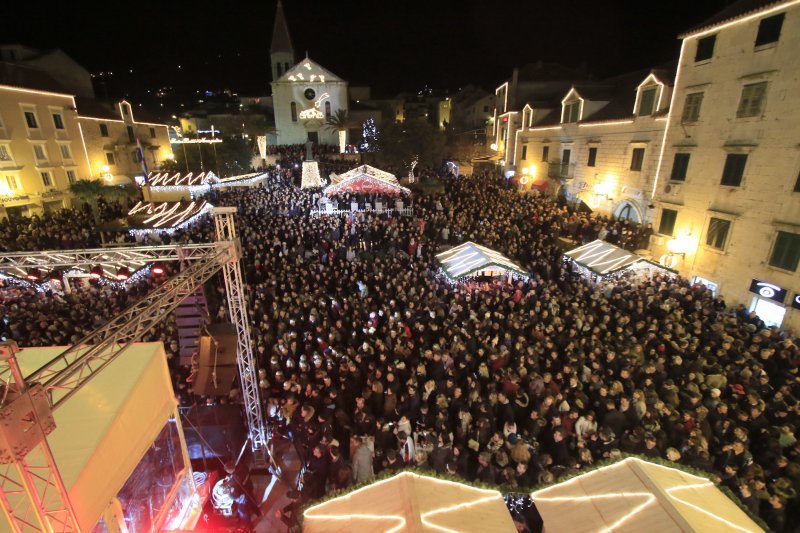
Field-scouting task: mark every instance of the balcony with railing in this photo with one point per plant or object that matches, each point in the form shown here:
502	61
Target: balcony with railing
559	170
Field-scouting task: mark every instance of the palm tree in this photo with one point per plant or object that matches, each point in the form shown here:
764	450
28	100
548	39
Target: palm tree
340	121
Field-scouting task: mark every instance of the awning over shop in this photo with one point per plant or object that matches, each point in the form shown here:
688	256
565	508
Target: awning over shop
470	259
411	502
636	495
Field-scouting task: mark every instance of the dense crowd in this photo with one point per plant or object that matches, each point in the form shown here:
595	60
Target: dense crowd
372	360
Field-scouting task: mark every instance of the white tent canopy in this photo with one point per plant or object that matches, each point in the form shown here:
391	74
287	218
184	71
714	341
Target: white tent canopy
633	495
365	179
411	502
602	257
471	259
105	428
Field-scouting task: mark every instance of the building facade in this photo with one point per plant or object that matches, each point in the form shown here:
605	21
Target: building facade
113	134
42	150
598	142
727	189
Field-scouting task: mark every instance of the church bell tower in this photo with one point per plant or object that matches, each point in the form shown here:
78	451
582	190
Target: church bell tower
281	52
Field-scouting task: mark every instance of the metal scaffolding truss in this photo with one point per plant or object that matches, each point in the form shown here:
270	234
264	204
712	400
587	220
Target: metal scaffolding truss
25	487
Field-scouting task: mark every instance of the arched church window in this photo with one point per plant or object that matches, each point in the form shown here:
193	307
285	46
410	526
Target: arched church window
280	69
294	112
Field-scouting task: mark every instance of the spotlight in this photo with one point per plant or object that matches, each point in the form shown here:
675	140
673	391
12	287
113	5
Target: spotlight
123	273
56	275
157	269
96	272
33	274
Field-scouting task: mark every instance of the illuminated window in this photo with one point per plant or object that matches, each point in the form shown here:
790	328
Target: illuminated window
592	157
58	122
545	152
294	112
39	152
691	107
769	29
717	234
679	167
571	112
110	158
667	224
637	158
46	180
524	152
647	101
71	176
752	101
786	251
103	130
733	172
30	120
705	48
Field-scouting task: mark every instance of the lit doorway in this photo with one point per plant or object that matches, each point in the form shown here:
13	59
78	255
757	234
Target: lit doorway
627	211
771	313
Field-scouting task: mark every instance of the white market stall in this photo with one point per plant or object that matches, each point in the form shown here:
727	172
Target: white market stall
633	495
471	260
411	502
600	260
118	433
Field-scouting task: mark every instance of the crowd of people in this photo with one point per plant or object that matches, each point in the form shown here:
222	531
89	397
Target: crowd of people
372	360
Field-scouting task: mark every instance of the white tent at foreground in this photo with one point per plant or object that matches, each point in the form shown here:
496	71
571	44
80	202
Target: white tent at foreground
470	259
635	495
107	426
411	502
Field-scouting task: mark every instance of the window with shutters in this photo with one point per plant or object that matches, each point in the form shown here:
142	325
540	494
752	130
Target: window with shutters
592	157
58	122
751	104
667	224
66	153
39	152
647	101
733	172
786	251
572	112
46	180
691	107
637	158
30	119
717	234
679	167
71	176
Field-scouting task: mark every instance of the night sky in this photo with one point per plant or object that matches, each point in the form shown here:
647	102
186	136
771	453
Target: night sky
389	45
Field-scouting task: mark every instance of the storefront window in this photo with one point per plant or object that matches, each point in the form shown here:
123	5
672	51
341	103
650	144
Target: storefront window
770	313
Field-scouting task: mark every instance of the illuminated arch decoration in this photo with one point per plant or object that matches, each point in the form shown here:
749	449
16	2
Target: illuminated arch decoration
165	216
412	502
636	495
165	179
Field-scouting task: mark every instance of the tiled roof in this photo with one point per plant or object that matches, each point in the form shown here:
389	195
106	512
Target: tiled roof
732	12
17	75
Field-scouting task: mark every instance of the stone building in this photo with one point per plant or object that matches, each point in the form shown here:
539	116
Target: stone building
597	142
727	189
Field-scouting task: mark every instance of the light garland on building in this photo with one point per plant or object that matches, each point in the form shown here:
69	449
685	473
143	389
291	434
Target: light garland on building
165	179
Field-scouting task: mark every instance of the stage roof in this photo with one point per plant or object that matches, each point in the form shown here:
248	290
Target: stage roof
411	502
365	179
633	495
105	428
468	258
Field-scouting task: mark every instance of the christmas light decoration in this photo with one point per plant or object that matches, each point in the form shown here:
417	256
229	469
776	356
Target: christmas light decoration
605	123
369	136
310	176
170	215
163	179
261	140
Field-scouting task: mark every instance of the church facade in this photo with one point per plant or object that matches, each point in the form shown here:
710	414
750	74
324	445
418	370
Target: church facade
304	95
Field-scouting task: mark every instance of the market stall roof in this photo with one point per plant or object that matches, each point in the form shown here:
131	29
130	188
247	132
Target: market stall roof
105	428
602	257
365	179
411	502
469	258
636	495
